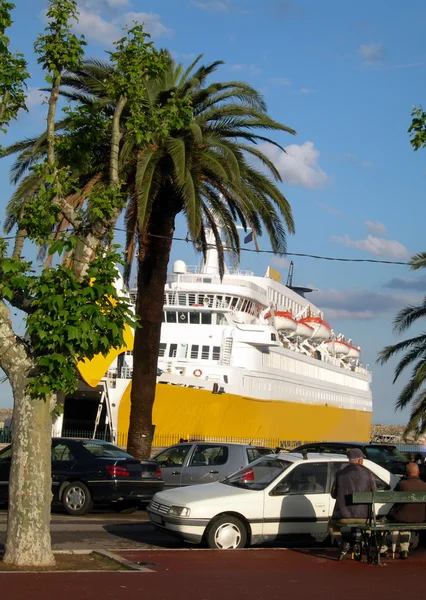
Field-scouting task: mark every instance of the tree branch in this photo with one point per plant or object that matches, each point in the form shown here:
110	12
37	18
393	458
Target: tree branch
53	101
12	348
115	141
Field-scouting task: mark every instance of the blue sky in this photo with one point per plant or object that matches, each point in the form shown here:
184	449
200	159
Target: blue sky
345	76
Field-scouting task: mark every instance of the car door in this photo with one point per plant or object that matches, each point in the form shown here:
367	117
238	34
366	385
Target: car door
5	459
63	461
205	464
299	503
171	462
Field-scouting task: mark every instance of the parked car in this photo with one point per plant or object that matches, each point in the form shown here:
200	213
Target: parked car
85	472
193	463
385	455
275	496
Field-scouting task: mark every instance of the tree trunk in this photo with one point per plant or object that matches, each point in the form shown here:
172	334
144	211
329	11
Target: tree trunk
28	532
28	540
20	238
153	259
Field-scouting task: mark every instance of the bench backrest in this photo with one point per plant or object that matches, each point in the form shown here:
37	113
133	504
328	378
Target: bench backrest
388	497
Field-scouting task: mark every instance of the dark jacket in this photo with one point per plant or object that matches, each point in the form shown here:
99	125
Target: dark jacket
353	478
409	513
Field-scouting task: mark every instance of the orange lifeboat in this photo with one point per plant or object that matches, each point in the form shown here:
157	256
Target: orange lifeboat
338	347
322	329
303	330
284	321
354	351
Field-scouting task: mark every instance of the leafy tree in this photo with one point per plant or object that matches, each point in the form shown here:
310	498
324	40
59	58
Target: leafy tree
414	348
13	72
199	164
417	129
72	309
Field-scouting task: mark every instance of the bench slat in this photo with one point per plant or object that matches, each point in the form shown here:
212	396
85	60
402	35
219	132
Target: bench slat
390	527
388	497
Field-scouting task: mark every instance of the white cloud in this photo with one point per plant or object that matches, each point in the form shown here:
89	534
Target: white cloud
371	54
298	165
250	69
376	228
352	158
95	28
329	209
99	30
281	81
151	21
360	304
306	91
376	246
280	261
213	5
35	97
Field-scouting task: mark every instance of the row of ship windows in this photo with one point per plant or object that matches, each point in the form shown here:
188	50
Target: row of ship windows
194	317
291	365
284	301
312	394
212	301
182	350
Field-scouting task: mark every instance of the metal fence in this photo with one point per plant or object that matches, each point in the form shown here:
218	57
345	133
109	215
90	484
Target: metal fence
162	441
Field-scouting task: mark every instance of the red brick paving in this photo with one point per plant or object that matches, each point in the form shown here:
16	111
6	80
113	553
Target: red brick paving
237	575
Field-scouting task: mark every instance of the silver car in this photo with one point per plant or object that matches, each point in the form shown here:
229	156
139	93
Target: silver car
204	462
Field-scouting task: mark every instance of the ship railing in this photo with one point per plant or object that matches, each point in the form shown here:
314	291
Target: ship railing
123	373
197	270
206	278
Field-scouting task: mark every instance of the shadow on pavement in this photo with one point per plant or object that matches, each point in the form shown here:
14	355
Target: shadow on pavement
322	553
145	533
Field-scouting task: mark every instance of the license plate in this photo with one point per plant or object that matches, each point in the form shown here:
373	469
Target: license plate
156	519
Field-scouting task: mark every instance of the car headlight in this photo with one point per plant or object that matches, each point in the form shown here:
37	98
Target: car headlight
180	511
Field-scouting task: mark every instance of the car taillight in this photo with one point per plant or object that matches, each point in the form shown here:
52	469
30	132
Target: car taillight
248	475
158	473
117	471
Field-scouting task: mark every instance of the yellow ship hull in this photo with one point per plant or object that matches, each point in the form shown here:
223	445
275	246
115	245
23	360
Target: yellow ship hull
188	413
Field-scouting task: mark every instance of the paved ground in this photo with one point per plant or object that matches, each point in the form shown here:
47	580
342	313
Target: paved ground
237	575
183	572
103	530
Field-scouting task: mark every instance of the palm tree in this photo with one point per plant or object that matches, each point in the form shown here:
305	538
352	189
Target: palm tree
414	392
207	170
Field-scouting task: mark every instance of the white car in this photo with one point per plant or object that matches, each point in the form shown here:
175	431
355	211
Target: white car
274	496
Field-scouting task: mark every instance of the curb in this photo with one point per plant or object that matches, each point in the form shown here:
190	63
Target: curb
129	565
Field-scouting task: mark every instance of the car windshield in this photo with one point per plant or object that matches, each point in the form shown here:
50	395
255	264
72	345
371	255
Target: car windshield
384	454
258	475
104	450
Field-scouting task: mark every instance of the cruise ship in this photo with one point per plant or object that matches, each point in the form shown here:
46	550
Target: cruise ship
244	358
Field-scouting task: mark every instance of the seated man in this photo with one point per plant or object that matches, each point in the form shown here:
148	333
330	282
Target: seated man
408	513
353	478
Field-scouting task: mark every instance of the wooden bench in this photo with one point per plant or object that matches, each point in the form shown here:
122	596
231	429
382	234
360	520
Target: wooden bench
374	532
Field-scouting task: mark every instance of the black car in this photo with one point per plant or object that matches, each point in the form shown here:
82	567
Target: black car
85	472
385	455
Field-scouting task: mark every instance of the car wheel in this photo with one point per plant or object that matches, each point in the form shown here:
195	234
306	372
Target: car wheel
227	533
77	499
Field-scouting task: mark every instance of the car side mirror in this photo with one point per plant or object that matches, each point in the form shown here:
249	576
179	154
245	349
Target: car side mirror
281	489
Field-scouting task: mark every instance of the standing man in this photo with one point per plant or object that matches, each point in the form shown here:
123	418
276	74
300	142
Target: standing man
408	513
353	478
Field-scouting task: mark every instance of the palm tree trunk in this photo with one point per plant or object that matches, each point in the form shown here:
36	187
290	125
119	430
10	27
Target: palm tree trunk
153	259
